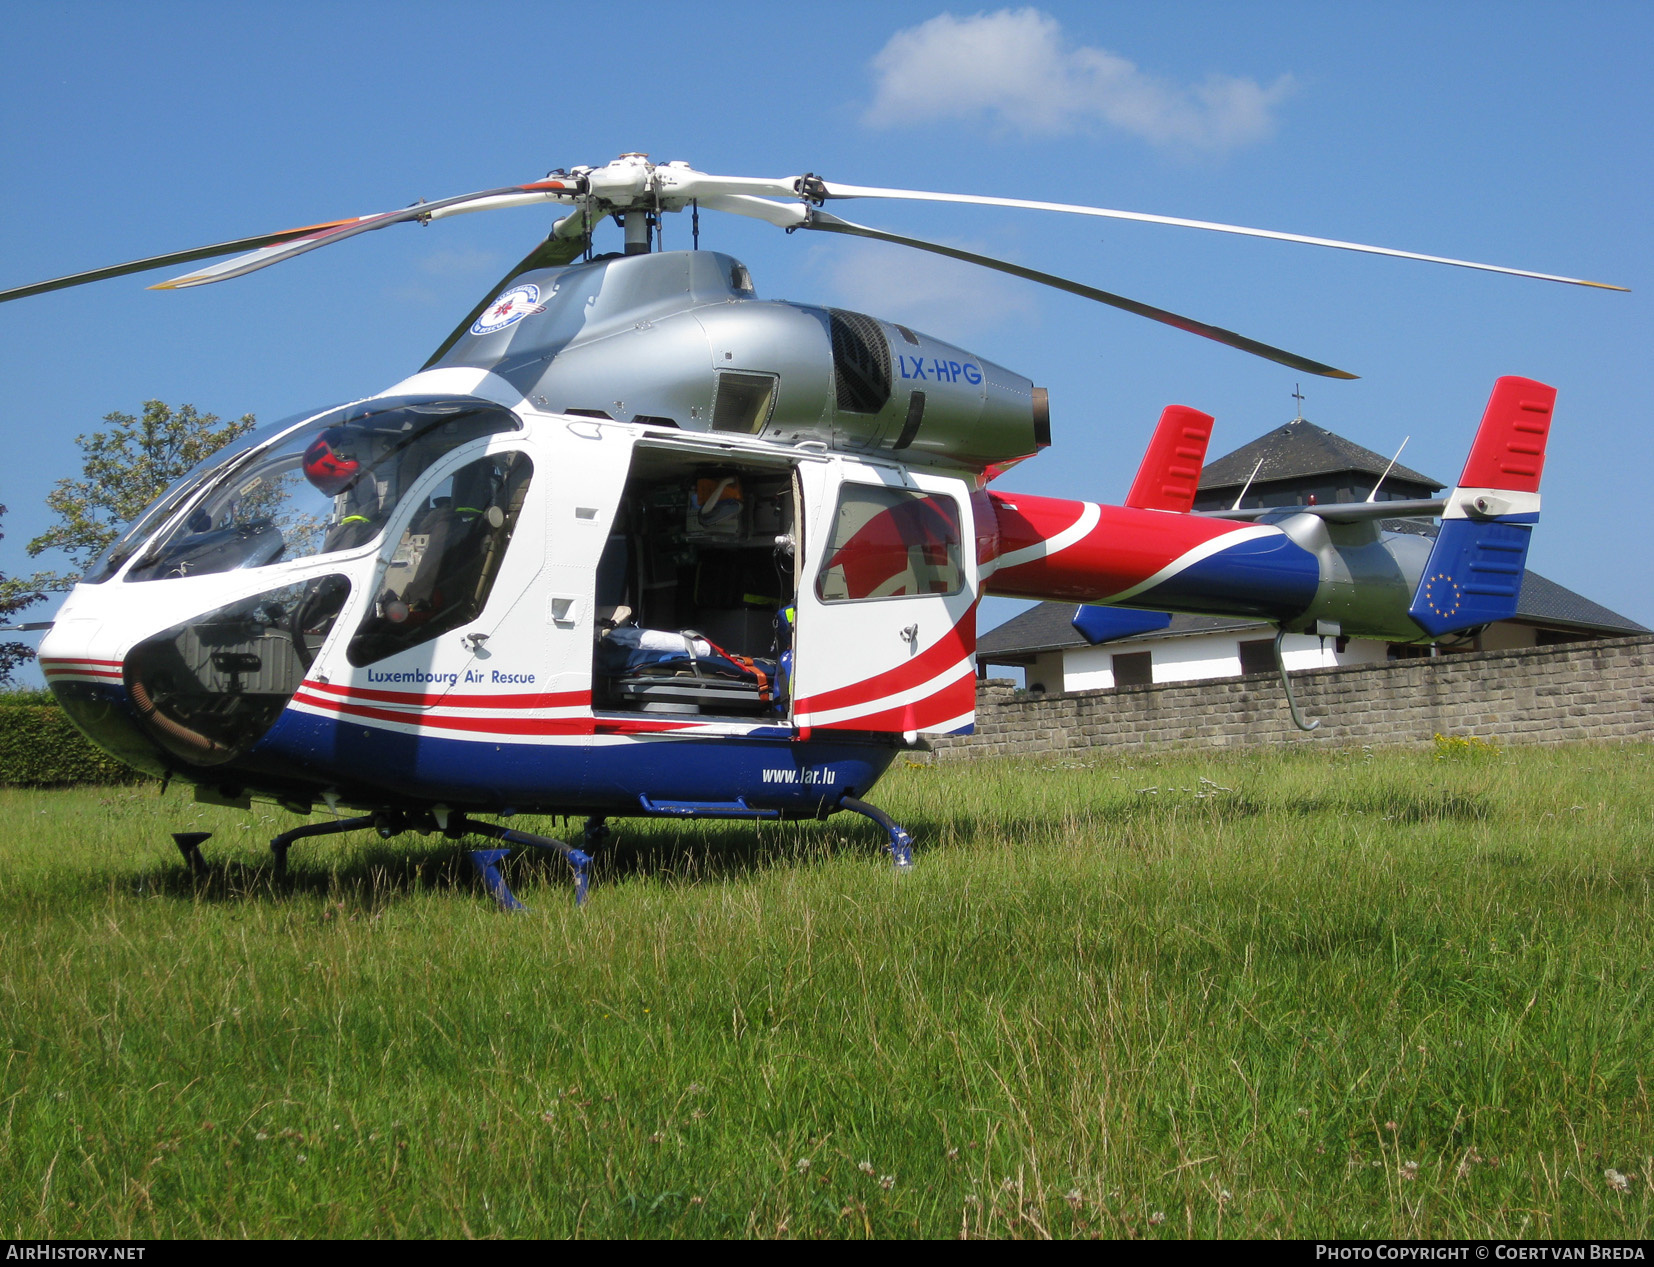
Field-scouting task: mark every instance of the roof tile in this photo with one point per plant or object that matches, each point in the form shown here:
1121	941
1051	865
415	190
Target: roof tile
1299	449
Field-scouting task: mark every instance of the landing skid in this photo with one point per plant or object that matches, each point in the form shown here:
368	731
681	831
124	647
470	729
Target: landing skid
455	826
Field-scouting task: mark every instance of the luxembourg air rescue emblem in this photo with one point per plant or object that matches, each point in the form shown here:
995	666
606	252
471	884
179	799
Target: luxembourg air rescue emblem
509	308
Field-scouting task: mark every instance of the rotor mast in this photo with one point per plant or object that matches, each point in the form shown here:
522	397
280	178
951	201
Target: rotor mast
636	220
637	226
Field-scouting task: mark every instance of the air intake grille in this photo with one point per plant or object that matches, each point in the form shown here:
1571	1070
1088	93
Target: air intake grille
861	362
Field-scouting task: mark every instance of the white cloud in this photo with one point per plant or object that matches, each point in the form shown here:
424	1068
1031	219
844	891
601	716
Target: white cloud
945	298
1018	69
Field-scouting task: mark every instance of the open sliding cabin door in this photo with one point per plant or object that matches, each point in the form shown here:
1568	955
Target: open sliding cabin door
887	590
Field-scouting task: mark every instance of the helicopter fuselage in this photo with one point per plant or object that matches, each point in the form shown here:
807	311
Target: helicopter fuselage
463	654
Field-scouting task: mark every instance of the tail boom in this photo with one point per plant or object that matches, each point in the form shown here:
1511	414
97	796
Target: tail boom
1313	569
1120	556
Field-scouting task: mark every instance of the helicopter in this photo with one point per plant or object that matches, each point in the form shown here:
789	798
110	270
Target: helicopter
636	542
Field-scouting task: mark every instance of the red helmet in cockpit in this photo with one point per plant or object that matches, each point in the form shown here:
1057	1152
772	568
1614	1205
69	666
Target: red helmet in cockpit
326	464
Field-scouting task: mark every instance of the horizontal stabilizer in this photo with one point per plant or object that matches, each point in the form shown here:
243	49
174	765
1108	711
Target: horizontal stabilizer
1340	512
1105	624
1170	472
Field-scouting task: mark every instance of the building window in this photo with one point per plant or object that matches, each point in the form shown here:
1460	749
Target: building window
1409	651
1257	655
1135	668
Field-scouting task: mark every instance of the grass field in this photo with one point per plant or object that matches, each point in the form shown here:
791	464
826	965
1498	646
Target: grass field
1300	994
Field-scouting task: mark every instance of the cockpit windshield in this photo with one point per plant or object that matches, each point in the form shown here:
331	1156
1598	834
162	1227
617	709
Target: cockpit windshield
190	482
319	487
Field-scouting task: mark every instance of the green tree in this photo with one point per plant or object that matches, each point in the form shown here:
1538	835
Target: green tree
124	468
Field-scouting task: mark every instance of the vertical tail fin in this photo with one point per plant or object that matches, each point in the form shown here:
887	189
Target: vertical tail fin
1166	480
1475	571
1508	455
1170	472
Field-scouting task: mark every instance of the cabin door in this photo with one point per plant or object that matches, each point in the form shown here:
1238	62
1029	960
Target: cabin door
886	628
434	630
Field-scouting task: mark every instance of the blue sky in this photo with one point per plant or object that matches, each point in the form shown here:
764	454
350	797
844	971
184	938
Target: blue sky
1513	133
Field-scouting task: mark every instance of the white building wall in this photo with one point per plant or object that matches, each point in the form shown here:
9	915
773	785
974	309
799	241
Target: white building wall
1090	668
1358	651
1192	657
1046	671
1185	659
1306	651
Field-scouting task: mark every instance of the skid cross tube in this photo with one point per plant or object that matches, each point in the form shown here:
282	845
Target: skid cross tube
390	823
901	844
486	860
279	845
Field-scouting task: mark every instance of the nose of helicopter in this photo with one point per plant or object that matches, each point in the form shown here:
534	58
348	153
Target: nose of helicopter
196	693
84	669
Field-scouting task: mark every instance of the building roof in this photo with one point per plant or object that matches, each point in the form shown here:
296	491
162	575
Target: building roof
1299	449
1544	602
1048	626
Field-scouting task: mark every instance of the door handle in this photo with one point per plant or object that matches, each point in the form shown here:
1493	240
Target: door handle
911	636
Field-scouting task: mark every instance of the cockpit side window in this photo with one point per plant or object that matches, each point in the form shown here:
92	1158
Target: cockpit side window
444	565
322	488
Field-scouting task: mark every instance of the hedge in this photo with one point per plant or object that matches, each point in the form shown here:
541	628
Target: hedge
40	747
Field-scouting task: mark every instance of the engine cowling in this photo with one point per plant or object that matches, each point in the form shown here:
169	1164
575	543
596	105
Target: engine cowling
680	336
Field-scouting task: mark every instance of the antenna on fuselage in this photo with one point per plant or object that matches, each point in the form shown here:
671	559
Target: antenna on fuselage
1248	484
1381	478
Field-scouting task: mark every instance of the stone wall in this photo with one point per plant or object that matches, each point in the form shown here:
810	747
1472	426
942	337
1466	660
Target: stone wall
1601	690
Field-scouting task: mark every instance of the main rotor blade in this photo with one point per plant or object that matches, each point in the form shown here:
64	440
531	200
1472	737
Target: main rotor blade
783	215
161	261
303	238
832	224
835	190
339	230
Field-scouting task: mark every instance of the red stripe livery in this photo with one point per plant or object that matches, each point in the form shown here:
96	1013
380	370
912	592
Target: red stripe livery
1122	547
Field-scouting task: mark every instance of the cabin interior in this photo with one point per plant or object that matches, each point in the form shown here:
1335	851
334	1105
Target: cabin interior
694	586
